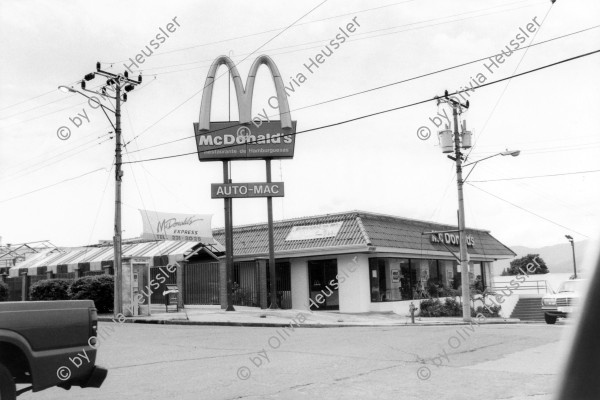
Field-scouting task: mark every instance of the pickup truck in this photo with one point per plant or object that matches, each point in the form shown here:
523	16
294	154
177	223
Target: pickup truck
46	344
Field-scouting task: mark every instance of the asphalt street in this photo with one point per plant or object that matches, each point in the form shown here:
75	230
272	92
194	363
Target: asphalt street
427	362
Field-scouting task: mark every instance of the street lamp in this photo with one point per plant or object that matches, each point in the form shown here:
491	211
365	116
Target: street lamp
120	84
67	89
570	239
447	146
513	153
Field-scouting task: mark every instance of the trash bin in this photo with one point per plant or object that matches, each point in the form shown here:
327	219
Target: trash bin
171	297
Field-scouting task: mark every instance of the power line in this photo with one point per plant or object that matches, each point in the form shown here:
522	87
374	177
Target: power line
100	203
23	172
507	84
355	39
368	90
379	112
87	173
215	79
62	98
66	108
54	184
526	210
539	176
303	49
268	31
273	30
32	98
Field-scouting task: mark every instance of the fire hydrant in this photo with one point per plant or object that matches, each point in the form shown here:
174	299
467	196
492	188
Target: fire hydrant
412	309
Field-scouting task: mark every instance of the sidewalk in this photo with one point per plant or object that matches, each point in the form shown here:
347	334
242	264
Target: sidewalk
250	316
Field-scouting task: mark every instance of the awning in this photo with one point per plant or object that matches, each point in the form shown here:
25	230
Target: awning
62	260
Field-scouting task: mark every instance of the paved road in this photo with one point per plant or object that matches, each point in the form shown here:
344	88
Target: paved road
203	362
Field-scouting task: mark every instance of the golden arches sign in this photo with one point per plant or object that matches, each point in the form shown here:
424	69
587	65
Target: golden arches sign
240	139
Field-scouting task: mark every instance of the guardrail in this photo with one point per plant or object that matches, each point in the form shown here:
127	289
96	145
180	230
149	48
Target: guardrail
539	286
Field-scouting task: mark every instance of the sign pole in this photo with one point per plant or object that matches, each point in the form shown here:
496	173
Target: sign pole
272	267
228	241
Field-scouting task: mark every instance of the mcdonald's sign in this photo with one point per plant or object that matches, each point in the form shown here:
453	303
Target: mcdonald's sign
242	139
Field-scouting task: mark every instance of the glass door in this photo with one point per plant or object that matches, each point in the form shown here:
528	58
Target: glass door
323	285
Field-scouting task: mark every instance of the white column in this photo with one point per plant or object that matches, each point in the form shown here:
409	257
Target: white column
353	277
299	281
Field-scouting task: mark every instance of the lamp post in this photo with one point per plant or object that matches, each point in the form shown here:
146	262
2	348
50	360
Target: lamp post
453	142
570	239
513	153
120	84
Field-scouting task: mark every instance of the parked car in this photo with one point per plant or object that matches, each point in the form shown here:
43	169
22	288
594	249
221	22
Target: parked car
562	303
46	344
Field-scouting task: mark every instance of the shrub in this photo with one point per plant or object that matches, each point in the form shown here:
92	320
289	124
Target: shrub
98	288
241	295
449	292
452	308
3	291
50	289
431	308
489	311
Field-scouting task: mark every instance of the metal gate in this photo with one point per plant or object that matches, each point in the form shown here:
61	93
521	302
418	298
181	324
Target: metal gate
284	284
93	273
15	287
201	283
65	275
245	284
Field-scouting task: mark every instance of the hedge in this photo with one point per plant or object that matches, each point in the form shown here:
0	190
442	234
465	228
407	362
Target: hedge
3	291
50	289
98	288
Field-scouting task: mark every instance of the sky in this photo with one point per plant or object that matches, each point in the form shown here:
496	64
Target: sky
63	190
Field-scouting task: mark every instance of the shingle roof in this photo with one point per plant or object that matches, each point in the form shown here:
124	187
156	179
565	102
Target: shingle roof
358	228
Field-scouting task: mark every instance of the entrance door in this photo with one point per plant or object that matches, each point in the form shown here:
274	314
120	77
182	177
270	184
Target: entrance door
323	285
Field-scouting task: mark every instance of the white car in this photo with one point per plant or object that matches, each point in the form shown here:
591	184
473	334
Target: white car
562	304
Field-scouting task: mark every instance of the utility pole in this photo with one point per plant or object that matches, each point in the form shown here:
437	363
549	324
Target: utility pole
453	141
117	239
464	262
463	254
120	84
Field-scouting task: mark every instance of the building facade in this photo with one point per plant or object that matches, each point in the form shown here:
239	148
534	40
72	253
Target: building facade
360	261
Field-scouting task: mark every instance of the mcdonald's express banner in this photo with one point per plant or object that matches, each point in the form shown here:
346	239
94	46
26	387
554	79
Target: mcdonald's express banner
171	226
230	140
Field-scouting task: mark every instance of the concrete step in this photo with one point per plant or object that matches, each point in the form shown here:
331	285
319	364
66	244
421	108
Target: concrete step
528	309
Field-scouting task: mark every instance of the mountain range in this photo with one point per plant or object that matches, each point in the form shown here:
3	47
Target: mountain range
558	257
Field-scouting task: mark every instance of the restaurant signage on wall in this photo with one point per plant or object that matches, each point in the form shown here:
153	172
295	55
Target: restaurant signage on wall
451	238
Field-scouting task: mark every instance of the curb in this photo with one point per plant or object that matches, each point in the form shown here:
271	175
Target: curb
281	325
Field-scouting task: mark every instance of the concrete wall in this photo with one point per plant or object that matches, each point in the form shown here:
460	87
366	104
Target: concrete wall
354	289
397	307
299	278
353	278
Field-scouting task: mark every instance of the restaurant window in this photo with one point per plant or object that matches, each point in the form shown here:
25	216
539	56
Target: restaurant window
393	279
390	279
477	275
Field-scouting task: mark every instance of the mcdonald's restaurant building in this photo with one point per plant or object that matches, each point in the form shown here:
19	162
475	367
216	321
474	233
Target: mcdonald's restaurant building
360	261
